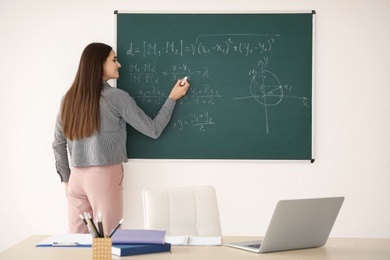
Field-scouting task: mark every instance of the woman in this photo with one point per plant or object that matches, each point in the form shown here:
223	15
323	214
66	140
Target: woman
91	125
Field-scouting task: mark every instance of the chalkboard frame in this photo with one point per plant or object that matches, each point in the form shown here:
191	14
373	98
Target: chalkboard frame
312	98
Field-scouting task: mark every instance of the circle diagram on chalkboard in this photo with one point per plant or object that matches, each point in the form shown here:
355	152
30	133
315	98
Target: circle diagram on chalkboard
266	89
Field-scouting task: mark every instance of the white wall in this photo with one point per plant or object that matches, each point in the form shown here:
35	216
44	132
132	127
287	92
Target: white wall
41	42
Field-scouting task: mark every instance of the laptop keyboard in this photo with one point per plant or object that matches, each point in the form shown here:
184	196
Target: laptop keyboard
254	246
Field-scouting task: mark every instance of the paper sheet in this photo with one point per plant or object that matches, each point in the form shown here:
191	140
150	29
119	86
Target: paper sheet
194	240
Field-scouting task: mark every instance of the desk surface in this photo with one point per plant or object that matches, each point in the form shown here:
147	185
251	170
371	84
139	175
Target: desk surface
336	248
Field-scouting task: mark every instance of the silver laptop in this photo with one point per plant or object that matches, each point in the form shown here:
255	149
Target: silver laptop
297	224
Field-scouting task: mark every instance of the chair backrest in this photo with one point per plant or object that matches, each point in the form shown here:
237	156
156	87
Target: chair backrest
184	211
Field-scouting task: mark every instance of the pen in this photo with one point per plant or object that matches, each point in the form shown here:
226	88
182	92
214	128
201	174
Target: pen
183	81
67	243
91	225
100	224
114	230
82	217
86	223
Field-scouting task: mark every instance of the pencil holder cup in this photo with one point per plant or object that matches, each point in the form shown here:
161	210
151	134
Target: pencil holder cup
101	249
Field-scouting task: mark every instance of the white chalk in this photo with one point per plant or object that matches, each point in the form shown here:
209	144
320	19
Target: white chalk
183	81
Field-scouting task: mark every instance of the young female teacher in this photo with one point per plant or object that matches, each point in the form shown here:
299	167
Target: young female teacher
91	125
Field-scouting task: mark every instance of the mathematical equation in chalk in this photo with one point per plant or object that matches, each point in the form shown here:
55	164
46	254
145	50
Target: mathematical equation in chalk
242	44
150	73
263	85
204	95
198	120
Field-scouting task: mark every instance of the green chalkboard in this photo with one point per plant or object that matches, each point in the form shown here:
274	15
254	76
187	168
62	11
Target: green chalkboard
251	81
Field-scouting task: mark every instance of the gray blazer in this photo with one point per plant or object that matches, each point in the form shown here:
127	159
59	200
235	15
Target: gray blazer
108	146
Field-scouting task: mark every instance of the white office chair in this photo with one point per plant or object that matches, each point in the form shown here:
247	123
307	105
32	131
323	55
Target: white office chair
187	211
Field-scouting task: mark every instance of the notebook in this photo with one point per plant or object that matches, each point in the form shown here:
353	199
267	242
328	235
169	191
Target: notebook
296	224
128	250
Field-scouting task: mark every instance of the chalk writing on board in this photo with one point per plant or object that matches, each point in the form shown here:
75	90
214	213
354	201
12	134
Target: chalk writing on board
153	95
225	46
204	96
182	70
198	120
228	45
265	87
148	72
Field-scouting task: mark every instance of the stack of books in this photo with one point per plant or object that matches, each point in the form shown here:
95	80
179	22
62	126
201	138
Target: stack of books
127	242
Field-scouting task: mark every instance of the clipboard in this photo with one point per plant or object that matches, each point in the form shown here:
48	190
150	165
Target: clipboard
67	240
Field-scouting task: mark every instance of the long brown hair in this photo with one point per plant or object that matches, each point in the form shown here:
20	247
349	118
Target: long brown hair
80	114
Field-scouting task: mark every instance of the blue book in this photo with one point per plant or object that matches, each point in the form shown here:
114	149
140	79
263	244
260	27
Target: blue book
138	236
127	250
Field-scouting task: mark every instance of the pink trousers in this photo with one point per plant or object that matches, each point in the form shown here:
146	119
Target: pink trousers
95	189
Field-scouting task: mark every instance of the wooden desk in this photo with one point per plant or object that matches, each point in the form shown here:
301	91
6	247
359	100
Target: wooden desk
336	248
